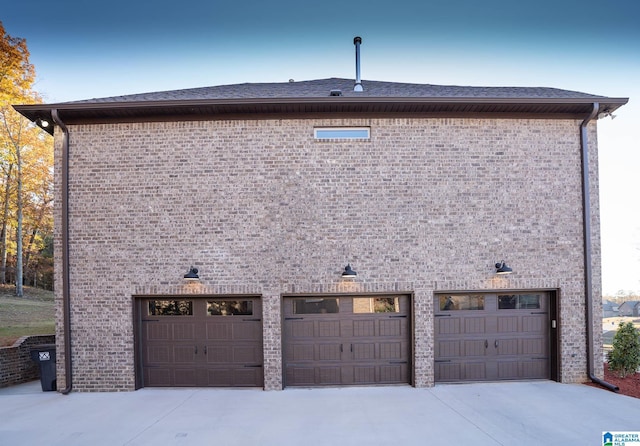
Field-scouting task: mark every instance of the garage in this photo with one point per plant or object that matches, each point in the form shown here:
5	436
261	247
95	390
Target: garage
342	340
201	342
490	337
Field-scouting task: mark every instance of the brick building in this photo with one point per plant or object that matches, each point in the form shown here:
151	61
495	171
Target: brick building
271	190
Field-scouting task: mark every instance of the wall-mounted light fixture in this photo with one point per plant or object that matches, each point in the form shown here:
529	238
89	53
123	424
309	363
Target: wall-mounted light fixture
348	273
606	113
192	275
41	122
502	268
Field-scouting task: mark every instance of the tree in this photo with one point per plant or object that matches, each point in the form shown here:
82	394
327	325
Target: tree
23	147
624	358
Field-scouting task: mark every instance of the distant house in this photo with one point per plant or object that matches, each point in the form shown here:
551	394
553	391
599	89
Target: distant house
629	308
278	193
610	309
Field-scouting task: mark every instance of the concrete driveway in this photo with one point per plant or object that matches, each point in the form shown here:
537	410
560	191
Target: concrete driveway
512	413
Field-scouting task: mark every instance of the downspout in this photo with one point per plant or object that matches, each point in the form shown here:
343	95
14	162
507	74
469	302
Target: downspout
588	273
66	298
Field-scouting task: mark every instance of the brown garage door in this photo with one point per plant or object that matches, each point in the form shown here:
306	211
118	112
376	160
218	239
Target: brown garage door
353	340
203	342
486	337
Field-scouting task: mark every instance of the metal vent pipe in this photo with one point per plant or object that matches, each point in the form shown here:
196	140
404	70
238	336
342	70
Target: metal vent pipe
358	86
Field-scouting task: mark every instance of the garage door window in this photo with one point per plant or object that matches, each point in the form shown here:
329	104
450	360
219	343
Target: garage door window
230	308
461	302
170	308
519	302
315	306
376	305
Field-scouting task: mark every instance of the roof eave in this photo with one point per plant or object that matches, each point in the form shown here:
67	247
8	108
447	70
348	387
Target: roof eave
110	111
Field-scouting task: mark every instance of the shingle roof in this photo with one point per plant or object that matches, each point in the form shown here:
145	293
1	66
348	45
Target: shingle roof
322	87
315	98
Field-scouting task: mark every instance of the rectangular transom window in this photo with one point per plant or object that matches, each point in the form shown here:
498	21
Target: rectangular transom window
342	133
462	302
376	305
519	302
315	306
230	308
170	308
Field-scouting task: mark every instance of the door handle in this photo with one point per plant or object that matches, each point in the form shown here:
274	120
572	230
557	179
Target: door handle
486	343
205	349
496	343
196	347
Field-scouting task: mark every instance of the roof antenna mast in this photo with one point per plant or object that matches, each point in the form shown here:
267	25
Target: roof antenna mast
358	86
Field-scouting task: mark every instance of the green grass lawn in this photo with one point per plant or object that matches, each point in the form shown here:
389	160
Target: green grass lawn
32	314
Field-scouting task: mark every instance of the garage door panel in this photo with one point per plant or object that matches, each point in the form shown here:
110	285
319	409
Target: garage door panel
364	328
219	355
392	327
234	377
533	324
185	354
363	351
448	325
392	350
329	375
535	346
447	349
364	375
508	347
329	329
475	325
233	354
219	332
157	331
184	377
475	371
534	368
241	331
183	332
329	352
301	329
508	324
448	371
160	354
301	352
509	370
393	373
249	354
158	377
301	375
475	347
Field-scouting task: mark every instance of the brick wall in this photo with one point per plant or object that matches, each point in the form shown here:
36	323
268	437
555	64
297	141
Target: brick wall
16	365
261	207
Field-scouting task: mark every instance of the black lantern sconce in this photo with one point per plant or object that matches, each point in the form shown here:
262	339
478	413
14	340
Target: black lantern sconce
348	273
502	268
192	275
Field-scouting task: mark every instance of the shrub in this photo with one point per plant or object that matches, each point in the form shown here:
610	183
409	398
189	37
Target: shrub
624	358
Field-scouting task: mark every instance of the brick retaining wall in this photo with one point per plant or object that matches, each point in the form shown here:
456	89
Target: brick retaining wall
16	366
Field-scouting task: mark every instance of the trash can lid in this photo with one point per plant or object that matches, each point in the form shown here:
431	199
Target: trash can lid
44	347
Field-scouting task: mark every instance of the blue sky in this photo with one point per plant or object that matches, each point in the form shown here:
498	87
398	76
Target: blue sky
83	49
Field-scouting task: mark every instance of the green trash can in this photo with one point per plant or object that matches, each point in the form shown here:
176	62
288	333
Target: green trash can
45	356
